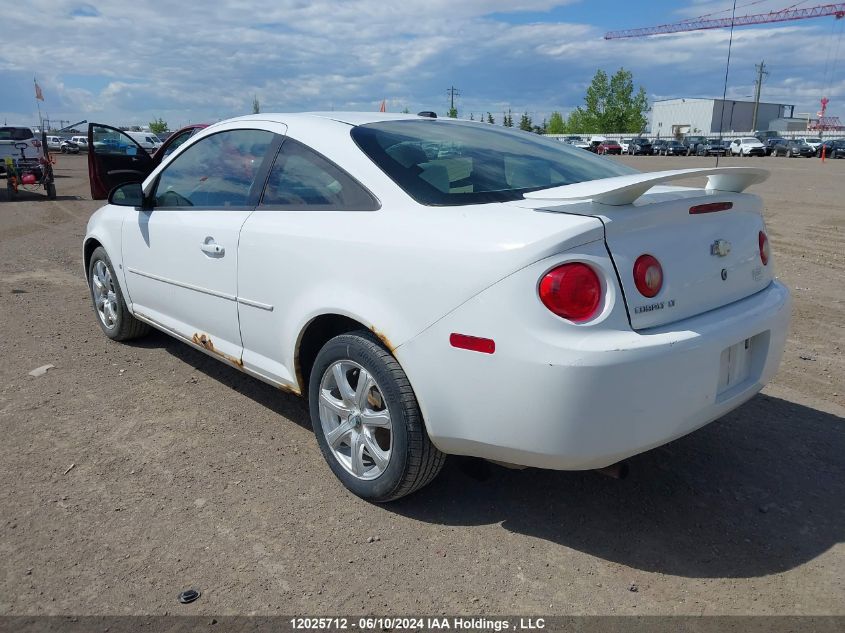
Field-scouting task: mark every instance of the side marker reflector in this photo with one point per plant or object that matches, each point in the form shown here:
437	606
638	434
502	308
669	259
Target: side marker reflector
473	343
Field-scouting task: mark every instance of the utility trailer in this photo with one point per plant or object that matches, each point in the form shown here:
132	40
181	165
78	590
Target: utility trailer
24	172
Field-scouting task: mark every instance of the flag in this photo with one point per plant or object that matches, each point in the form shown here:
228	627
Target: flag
38	94
383	106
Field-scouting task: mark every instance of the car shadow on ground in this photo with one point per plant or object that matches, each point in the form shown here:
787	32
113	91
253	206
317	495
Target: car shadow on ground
759	492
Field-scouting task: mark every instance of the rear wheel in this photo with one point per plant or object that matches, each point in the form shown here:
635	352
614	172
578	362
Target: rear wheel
367	420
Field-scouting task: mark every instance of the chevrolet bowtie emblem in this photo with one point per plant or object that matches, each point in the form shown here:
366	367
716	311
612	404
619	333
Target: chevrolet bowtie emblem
720	248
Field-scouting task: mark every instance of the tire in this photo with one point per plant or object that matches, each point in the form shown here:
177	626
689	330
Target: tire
396	457
123	326
51	190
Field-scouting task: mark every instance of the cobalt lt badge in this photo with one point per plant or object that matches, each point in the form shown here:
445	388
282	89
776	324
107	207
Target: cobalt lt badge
720	248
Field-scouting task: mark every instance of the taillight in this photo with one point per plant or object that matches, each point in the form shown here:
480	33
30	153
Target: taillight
763	241
648	275
571	291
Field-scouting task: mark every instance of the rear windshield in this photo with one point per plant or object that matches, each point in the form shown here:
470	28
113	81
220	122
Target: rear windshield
447	163
15	134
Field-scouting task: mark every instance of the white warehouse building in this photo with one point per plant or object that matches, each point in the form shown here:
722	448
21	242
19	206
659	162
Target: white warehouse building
677	117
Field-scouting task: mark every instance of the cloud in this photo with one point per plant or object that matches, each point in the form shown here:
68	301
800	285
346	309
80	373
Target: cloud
130	62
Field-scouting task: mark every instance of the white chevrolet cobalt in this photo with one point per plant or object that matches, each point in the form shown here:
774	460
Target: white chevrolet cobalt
443	287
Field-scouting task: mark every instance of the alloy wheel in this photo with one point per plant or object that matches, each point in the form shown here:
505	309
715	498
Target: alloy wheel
105	295
355	419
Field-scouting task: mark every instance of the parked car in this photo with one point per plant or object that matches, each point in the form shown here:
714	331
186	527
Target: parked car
69	147
834	148
813	142
673	148
81	141
692	143
772	142
712	147
747	146
595	141
794	148
608	147
310	251
641	147
20	144
657	144
625	143
54	143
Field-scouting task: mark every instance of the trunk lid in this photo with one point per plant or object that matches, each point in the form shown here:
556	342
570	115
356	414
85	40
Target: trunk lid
708	259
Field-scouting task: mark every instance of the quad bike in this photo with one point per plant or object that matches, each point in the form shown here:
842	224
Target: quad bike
30	173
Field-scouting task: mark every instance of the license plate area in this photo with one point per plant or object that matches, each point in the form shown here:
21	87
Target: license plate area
735	366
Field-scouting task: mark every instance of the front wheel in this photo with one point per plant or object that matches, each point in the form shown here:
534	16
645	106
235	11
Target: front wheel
113	316
367	420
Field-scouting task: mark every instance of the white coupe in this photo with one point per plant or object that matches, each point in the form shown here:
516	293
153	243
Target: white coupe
443	287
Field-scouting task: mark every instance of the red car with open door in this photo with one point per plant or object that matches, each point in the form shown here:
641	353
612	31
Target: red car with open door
115	158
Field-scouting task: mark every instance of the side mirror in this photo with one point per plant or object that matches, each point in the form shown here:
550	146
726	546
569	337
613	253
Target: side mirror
128	194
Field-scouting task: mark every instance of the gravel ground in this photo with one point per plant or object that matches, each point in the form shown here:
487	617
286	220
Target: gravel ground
131	472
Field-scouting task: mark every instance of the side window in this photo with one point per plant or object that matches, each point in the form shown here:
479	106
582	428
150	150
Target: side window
217	172
301	179
177	142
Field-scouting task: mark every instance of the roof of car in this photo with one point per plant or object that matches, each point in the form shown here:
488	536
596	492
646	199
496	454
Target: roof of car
350	118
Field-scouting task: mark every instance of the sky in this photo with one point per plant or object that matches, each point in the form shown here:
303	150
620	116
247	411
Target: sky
126	63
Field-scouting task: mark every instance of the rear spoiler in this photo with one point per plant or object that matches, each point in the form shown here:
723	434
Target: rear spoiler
620	190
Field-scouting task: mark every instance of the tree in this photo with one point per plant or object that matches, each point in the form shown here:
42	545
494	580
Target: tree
452	113
556	125
490	119
508	118
256	107
405	110
610	105
525	122
158	126
472	116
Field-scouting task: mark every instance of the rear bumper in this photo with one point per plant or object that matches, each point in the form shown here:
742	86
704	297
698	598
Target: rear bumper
549	400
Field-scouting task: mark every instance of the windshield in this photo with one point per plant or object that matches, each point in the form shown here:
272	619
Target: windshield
749	141
441	162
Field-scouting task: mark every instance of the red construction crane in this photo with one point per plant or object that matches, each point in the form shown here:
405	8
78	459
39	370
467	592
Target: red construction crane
698	24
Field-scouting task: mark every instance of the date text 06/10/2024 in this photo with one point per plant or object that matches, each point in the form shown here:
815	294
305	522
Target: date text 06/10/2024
416	624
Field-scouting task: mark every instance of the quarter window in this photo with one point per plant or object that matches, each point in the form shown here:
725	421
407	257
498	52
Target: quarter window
217	172
302	179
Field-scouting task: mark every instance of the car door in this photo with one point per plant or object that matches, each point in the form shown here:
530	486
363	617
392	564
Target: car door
114	158
308	202
181	254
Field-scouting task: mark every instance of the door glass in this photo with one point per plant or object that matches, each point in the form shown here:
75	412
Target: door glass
218	171
177	142
302	179
108	141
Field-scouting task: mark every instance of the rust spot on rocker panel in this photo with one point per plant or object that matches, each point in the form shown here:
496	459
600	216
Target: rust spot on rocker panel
385	341
204	341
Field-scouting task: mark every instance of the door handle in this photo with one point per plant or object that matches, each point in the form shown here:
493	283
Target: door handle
210	247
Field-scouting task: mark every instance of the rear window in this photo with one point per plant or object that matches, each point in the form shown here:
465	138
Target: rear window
446	163
15	134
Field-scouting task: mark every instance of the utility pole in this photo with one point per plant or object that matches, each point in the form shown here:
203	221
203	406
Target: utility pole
453	92
761	71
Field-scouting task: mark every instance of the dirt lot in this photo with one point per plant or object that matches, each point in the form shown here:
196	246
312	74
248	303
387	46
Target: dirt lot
187	473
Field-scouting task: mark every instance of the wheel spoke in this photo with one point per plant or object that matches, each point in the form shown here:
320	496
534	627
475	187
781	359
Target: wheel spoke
336	435
357	455
376	418
379	457
343	386
98	284
365	383
333	405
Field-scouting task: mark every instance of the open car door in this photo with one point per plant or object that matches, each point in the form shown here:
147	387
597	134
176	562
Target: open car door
114	158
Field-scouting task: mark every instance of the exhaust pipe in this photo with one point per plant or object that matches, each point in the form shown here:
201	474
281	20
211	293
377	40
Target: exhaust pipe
619	470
